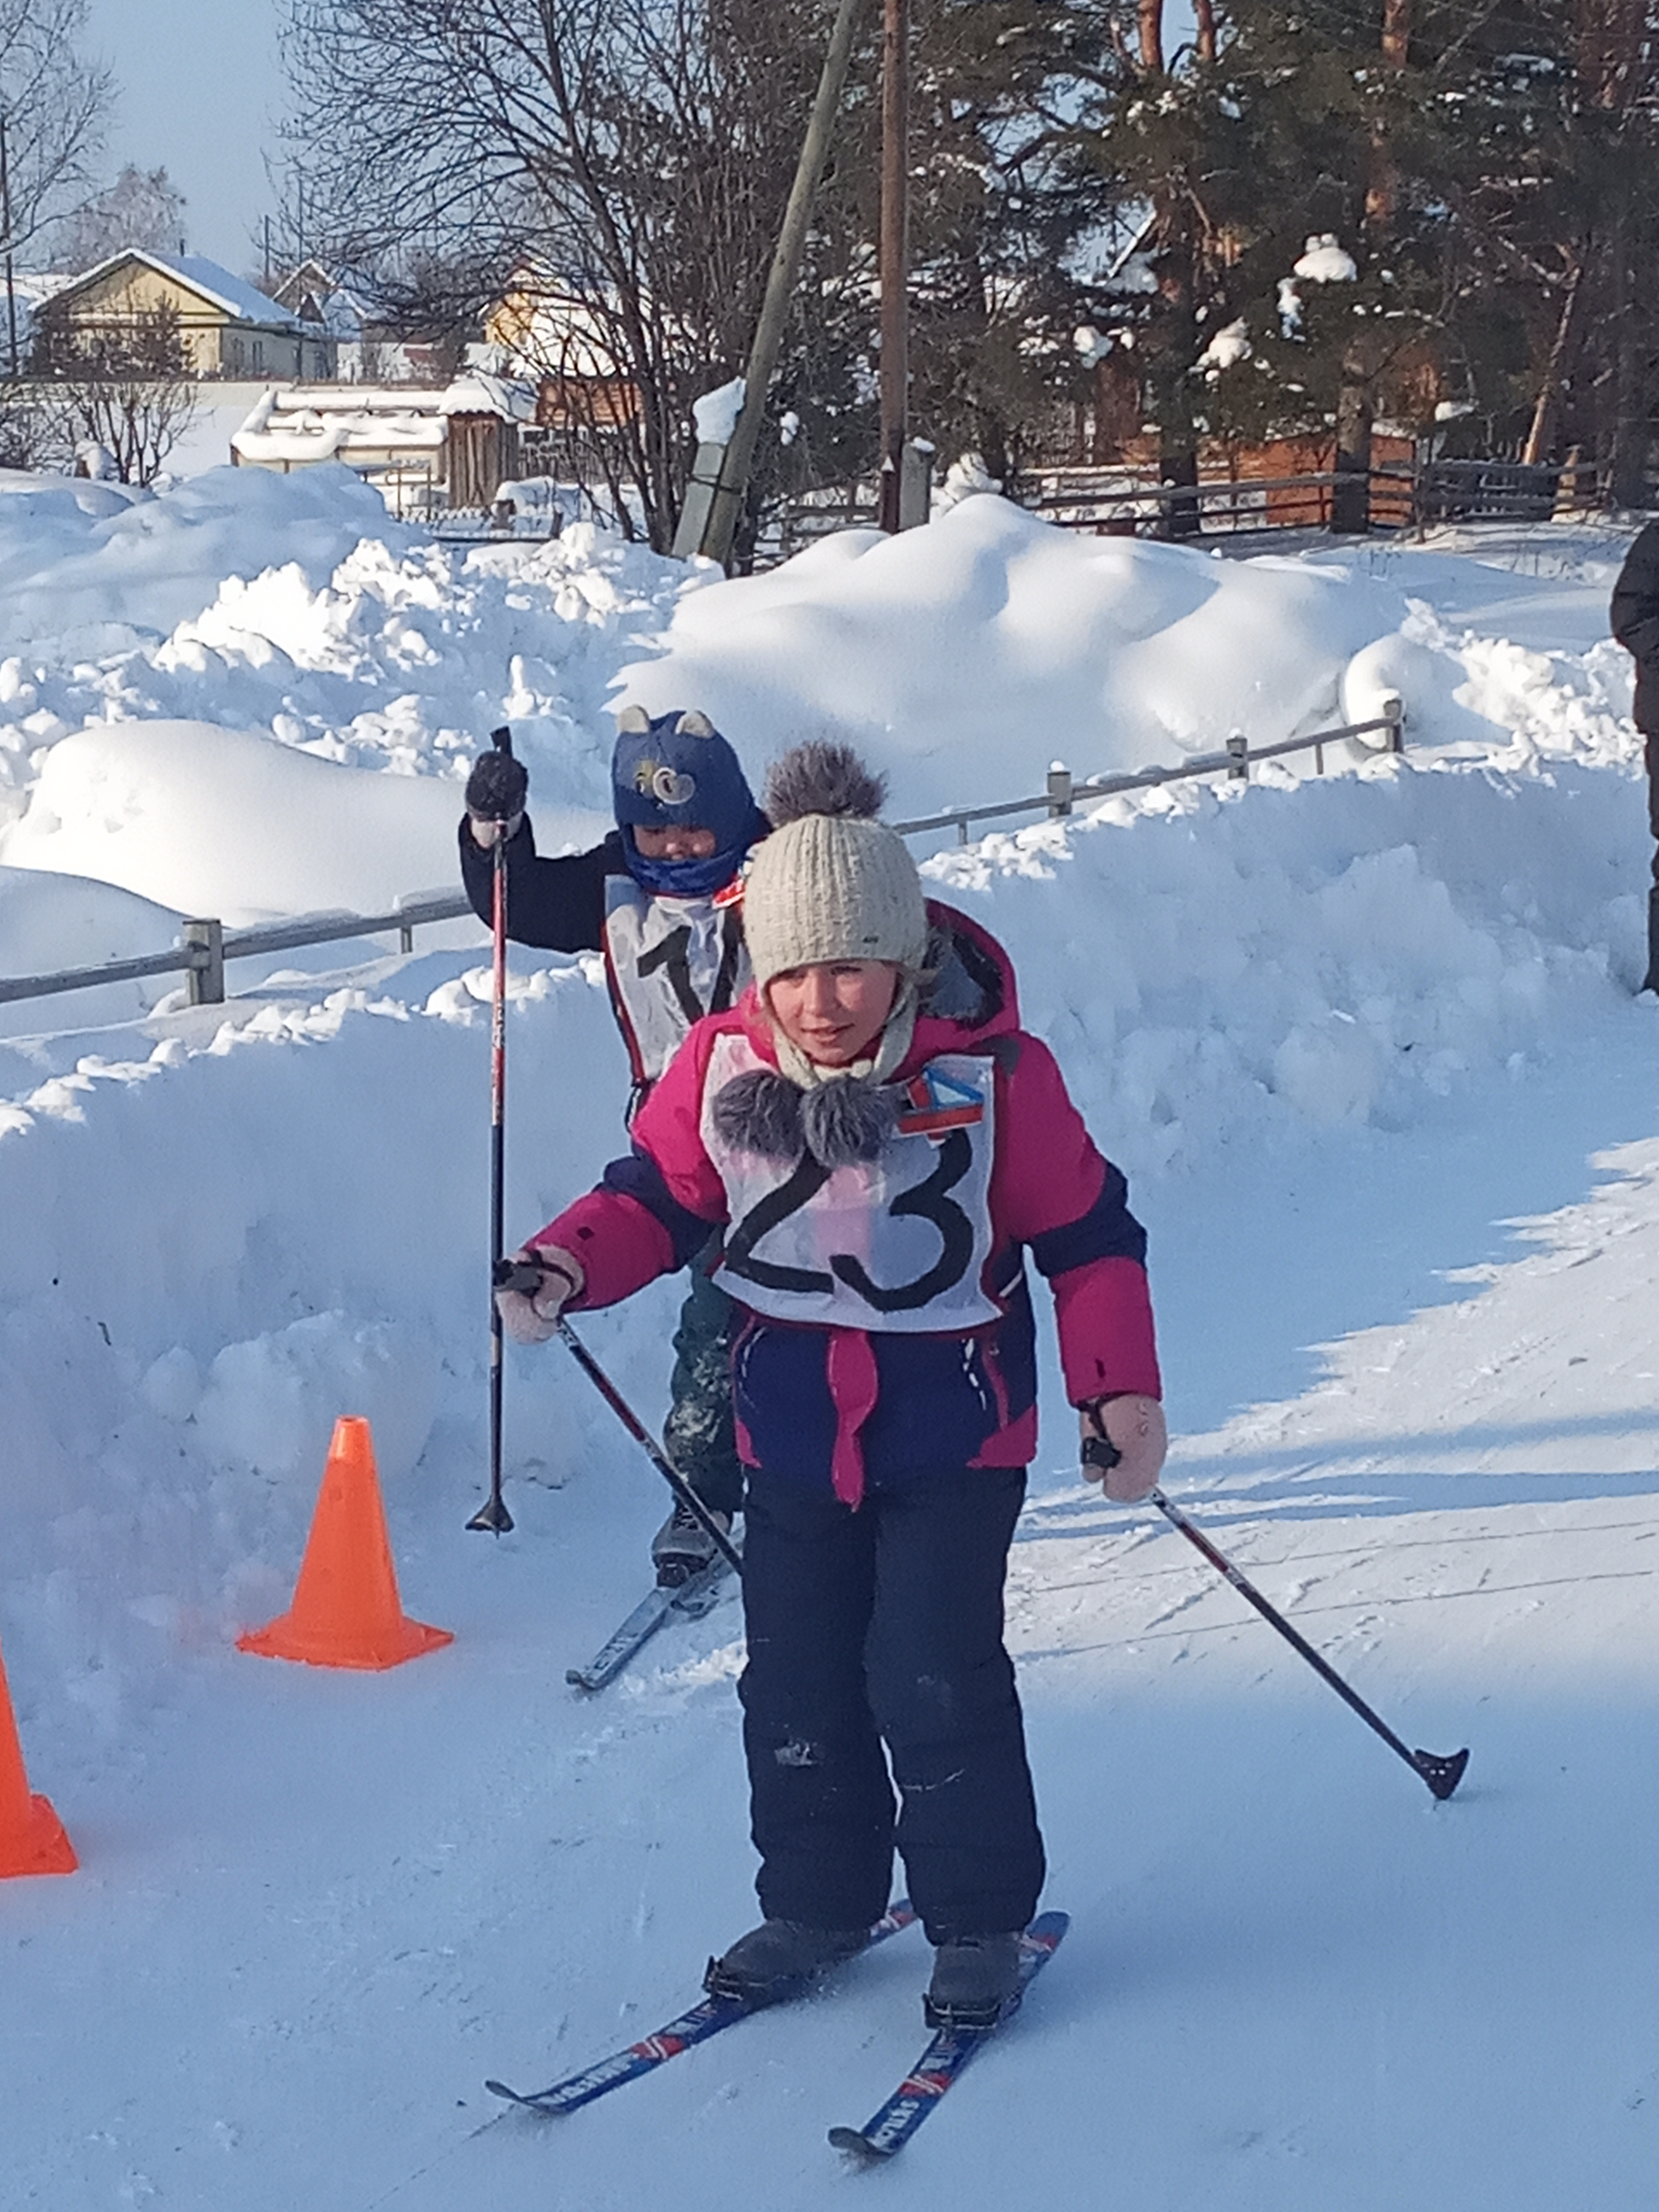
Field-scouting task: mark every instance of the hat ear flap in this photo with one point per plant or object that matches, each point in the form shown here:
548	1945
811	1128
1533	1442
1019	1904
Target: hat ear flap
632	722
694	724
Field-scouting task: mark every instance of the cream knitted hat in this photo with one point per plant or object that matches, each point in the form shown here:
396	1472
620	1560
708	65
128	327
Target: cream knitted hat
831	883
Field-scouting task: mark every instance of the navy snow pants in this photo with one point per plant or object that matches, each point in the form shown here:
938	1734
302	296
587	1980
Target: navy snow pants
884	1626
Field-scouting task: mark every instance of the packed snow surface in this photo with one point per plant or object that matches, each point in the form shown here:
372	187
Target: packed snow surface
1365	1045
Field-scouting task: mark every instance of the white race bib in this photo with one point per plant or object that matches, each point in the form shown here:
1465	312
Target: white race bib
674	961
898	1243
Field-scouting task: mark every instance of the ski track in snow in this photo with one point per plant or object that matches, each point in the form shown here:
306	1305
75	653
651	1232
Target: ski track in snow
1367	1051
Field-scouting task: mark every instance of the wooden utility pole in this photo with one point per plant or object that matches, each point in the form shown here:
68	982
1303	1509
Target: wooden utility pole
708	521
895	252
5	217
1355	399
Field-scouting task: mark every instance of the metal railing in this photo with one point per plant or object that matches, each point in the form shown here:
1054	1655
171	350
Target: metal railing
1063	794
205	945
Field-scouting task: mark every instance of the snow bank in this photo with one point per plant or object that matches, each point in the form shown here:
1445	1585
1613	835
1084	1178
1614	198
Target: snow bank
215	1244
213	821
294	1187
117	567
52	922
208	821
1216	968
990	643
965	656
293	608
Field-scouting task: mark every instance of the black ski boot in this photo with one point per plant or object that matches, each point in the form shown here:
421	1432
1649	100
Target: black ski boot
683	1547
975	1980
777	1959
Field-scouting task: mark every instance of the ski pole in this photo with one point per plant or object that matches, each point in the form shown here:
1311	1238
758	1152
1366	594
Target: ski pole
493	1515
1440	1770
525	1276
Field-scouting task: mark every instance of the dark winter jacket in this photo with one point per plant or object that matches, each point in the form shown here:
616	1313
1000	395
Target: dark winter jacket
667	960
1635	618
998	1162
555	904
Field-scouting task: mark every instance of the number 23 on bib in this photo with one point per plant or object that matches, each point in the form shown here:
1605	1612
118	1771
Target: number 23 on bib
896	1244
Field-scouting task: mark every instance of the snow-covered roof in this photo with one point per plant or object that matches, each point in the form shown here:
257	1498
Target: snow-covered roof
343	303
30	290
475	392
241	300
323	422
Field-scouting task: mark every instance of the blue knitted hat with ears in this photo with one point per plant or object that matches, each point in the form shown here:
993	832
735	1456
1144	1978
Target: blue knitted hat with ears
676	771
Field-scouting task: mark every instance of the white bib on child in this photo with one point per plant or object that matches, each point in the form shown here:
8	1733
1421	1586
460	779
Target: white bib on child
898	1243
673	961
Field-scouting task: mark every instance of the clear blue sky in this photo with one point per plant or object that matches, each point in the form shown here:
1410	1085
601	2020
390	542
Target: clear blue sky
200	89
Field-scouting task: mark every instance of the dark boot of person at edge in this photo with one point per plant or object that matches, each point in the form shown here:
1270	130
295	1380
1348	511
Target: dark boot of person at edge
1635	618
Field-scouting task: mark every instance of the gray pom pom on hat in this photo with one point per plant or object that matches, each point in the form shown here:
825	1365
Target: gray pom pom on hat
822	777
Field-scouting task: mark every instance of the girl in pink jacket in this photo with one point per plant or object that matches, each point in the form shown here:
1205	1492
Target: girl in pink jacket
880	1143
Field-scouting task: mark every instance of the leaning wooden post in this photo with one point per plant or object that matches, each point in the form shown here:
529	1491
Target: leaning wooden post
727	499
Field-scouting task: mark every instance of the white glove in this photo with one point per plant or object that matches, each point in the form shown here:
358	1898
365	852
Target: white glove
531	1316
1134	1427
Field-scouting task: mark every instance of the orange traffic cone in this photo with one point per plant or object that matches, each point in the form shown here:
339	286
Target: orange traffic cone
32	1838
346	1611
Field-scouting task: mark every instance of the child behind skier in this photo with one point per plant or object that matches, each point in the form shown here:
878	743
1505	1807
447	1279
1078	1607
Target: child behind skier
660	898
880	1150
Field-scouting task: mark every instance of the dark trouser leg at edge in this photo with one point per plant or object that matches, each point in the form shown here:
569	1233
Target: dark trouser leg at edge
700	1434
887	1623
1650	981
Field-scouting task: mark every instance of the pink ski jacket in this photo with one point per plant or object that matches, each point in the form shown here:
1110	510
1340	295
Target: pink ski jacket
887	1330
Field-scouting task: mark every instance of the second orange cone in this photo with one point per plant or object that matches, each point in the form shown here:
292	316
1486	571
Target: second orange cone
346	1610
31	1837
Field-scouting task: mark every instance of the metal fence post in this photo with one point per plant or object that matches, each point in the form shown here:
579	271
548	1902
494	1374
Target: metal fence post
1238	755
205	939
1059	790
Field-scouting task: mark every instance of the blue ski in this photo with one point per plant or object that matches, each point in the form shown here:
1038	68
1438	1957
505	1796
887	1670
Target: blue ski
690	1601
952	2048
697	2026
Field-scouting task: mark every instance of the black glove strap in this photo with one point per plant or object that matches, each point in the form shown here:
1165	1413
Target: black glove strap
527	1277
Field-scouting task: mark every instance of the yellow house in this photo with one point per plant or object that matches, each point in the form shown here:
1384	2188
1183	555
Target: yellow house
226	328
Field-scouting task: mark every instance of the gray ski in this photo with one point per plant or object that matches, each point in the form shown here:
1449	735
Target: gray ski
688	1600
